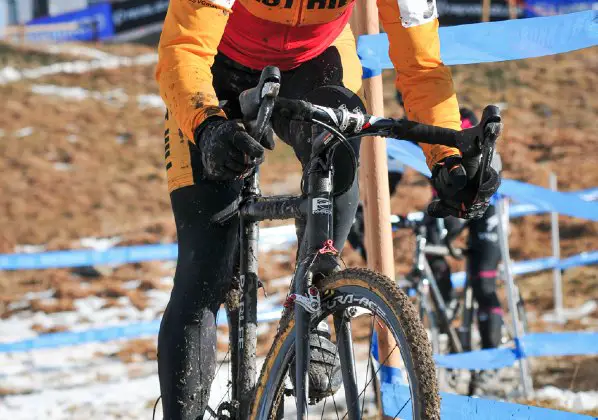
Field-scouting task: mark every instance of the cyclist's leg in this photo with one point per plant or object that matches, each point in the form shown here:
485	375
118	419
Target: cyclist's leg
482	263
187	339
330	79
394	178
439	265
356	236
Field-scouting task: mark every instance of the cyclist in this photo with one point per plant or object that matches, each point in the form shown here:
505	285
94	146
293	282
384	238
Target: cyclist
482	260
212	50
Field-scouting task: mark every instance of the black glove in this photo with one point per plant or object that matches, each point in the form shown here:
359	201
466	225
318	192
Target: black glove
458	189
227	151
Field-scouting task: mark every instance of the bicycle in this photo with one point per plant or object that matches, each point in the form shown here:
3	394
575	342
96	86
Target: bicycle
341	295
421	282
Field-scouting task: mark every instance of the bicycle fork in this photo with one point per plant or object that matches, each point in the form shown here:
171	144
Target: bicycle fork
247	311
318	231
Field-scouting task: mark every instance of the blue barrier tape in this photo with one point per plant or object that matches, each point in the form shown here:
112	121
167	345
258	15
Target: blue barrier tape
270	237
520	210
527	209
476	43
391	375
548	200
532	345
542	199
396	399
585	258
519	349
409	154
539	264
130	331
590	194
88	257
63	339
560	344
477	360
136	330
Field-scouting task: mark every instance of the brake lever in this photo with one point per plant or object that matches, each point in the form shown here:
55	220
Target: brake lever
268	87
492	124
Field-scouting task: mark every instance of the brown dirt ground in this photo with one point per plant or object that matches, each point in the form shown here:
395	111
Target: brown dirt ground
115	181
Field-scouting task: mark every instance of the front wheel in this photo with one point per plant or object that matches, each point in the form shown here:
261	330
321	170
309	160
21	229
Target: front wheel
357	302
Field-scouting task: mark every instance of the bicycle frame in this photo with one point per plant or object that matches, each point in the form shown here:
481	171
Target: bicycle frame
316	211
422	271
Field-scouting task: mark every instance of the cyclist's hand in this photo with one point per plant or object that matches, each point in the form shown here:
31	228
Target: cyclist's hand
227	151
457	185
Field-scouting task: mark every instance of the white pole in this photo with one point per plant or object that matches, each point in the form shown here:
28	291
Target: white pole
503	238
556	253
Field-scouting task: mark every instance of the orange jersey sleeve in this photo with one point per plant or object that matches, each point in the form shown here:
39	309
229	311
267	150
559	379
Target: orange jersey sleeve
423	80
189	41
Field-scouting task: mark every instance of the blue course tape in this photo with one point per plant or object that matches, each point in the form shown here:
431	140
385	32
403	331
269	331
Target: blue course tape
390	375
585	258
130	331
135	330
88	257
545	200
477	43
532	345
560	344
478	360
64	339
527	209
409	154
396	399
539	264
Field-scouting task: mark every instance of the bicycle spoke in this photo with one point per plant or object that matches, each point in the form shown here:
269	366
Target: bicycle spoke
375	374
401	409
329	376
369	362
227	393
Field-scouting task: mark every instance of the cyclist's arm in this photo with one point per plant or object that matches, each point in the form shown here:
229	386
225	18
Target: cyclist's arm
422	78
189	42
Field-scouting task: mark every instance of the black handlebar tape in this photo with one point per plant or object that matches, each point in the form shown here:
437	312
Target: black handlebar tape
422	133
294	109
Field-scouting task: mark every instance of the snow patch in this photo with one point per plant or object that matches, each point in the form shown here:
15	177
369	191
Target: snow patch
150	101
79	50
99	244
576	401
116	97
10	74
29	249
63	166
568	314
24	132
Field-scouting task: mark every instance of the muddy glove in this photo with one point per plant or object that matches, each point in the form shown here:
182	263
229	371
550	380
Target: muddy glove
459	193
227	151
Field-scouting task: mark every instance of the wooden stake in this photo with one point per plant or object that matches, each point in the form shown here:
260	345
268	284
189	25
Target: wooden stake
374	179
486	10
512	9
